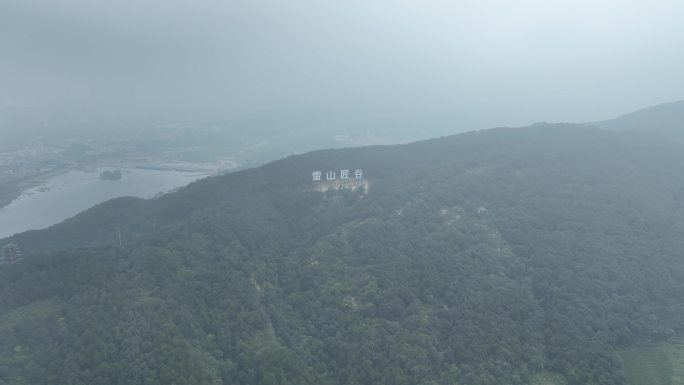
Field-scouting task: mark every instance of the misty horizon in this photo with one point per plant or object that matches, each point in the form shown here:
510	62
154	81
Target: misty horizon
426	65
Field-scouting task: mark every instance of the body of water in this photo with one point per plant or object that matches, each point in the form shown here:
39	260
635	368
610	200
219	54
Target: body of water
66	195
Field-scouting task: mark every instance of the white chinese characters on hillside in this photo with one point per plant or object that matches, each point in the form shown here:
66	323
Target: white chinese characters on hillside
332	175
334	180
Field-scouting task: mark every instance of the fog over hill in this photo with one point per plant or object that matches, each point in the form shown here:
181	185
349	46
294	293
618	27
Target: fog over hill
332	241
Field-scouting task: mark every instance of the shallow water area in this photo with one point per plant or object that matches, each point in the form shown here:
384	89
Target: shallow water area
66	195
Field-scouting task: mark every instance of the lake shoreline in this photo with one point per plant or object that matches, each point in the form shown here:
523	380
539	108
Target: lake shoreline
19	187
57	196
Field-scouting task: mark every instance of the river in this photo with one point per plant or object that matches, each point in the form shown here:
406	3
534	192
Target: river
66	195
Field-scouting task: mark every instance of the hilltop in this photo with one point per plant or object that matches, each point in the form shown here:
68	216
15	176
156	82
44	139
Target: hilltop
666	119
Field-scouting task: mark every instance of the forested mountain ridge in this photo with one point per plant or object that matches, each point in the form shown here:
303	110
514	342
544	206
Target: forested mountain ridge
666	119
482	258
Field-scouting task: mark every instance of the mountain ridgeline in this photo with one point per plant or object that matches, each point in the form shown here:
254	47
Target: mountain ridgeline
482	258
666	119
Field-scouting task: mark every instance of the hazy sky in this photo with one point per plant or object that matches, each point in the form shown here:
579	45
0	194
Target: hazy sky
466	64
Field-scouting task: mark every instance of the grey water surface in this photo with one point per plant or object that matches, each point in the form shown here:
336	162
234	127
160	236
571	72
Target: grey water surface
65	195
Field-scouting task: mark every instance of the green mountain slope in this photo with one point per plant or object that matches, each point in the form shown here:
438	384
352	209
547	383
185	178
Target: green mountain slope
482	258
666	119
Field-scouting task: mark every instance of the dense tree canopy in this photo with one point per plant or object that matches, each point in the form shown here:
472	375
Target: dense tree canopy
481	258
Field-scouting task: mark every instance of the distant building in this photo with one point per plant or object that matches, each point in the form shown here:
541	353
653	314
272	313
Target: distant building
10	253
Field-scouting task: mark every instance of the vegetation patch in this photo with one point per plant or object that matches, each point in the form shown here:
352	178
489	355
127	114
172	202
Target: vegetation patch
547	379
676	349
648	365
36	311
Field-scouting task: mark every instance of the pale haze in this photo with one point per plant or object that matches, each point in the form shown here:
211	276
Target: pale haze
450	65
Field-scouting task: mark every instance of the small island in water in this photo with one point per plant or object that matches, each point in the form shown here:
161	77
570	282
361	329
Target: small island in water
110	175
